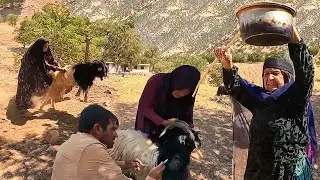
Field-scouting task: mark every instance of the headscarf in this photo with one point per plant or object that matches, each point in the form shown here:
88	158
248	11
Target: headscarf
287	69
36	50
183	77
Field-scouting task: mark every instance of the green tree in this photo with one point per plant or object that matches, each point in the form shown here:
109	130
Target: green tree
70	36
125	46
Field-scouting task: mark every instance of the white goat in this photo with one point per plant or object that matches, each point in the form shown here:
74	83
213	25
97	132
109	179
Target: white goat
132	144
176	143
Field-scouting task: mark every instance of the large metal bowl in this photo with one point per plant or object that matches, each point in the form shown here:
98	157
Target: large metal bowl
265	23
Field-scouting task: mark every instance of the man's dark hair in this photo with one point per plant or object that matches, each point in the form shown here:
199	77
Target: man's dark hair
93	114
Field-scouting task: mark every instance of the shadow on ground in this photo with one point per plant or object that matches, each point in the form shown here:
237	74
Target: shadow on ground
14	116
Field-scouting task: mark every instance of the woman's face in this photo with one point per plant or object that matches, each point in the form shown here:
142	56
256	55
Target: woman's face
180	93
272	79
45	47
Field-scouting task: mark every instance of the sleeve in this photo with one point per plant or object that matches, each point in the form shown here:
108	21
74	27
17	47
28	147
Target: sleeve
147	101
245	93
304	71
50	66
297	94
96	162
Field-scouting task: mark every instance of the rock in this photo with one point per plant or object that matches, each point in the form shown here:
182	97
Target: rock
52	137
108	91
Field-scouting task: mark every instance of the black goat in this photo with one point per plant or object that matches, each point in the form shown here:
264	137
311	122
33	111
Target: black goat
176	143
85	73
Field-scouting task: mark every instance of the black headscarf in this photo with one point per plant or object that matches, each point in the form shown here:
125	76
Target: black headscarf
283	64
36	50
183	77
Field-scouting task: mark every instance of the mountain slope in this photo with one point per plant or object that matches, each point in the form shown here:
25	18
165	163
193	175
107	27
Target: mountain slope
189	25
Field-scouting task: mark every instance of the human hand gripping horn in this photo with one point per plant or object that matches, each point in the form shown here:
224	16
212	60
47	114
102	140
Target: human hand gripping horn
234	39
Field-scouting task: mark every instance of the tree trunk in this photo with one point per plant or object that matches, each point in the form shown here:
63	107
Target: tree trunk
86	54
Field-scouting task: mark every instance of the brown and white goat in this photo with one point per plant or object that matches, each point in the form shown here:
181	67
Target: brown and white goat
61	83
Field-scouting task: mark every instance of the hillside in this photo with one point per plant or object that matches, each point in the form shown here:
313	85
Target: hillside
189	25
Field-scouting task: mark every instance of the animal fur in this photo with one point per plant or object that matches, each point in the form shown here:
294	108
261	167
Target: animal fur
61	81
79	74
84	75
175	146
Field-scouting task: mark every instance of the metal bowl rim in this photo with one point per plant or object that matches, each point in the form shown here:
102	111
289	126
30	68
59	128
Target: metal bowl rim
261	4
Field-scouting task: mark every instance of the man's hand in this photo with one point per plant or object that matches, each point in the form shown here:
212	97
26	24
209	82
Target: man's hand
133	164
157	171
225	56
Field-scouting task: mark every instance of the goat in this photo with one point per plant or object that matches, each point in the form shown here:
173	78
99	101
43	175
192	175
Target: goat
60	82
176	143
79	74
105	75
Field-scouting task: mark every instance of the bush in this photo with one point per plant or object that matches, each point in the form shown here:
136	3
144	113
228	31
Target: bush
215	75
167	64
255	57
281	54
163	66
314	50
240	57
12	19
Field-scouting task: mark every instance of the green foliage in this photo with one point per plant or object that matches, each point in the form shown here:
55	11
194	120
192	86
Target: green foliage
239	57
125	47
169	63
281	54
12	19
61	28
255	57
209	58
215	75
67	33
314	49
151	55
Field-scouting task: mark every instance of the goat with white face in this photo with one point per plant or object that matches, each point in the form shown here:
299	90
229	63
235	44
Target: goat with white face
177	141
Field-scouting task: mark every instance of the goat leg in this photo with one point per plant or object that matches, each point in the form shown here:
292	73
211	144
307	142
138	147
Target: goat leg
44	102
52	104
86	95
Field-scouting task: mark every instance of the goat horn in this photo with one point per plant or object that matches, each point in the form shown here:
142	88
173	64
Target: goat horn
179	124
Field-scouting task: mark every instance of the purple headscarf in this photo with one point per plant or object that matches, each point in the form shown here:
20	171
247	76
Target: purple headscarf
183	77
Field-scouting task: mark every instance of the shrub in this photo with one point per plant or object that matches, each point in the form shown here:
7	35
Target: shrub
215	75
12	19
314	50
255	57
240	57
281	54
